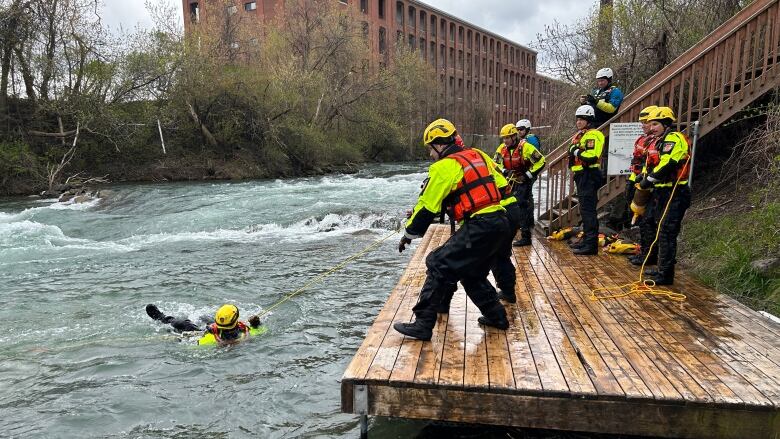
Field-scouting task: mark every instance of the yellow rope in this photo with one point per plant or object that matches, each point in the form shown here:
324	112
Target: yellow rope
334	269
643	286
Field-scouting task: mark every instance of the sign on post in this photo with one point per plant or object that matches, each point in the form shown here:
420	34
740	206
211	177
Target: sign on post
621	146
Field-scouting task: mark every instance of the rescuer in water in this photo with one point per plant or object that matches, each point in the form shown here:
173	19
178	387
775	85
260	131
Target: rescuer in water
225	329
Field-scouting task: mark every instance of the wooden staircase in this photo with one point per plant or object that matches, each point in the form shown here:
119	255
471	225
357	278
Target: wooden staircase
719	76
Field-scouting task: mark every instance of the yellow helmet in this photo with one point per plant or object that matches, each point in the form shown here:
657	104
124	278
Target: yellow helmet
439	129
645	113
226	316
508	130
662	113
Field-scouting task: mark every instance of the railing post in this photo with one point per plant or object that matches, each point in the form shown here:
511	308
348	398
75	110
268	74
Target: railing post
693	152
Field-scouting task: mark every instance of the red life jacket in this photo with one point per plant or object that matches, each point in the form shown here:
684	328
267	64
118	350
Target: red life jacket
654	158
513	159
215	332
575	140
477	190
642	144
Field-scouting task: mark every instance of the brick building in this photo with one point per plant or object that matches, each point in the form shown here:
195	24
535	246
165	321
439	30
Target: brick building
475	67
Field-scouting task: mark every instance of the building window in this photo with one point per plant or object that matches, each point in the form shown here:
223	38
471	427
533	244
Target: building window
452	58
460	59
468	64
460	35
399	37
423	49
433	54
364	25
442	56
232	10
433	26
364	6
468	38
194	12
443	30
381	7
452	32
412	17
423	22
250	6
382	40
411	42
399	13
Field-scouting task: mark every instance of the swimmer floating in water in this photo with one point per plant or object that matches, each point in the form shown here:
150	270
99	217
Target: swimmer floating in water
226	328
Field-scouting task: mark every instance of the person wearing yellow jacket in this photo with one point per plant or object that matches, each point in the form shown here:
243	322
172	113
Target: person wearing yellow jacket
522	163
585	163
643	144
667	169
463	182
225	329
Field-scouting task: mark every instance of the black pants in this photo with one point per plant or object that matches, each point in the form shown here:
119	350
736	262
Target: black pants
588	182
465	257
648	225
525	201
670	225
503	269
181	325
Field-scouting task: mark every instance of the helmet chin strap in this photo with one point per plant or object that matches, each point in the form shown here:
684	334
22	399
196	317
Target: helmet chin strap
446	149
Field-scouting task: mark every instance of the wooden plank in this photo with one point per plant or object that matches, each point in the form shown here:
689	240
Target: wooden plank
585	415
572	368
587	353
360	364
632	351
409	351
453	354
499	360
707	369
475	372
688	324
523	365
547	366
383	362
661	359
629	380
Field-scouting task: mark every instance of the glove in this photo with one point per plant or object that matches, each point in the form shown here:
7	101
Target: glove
254	321
402	244
645	184
409	213
591	100
574	150
583	99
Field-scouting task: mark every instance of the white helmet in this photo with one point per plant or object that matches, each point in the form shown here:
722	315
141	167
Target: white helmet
523	123
606	72
585	112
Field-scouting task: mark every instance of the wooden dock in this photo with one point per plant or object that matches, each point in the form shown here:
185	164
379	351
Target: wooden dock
708	367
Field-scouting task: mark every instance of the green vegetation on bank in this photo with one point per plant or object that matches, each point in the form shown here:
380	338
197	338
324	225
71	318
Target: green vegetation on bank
720	252
307	97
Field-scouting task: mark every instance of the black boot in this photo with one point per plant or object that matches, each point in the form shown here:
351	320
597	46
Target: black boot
576	244
586	250
525	239
414	330
154	312
664	277
506	297
496	323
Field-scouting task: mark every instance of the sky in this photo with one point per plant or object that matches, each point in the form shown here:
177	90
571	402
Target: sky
517	20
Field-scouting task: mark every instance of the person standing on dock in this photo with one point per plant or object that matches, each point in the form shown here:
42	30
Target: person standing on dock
643	144
522	162
667	174
464	181
585	164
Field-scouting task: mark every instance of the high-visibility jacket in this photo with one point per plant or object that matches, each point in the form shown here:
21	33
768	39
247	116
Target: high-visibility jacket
667	160
212	334
522	159
447	182
641	146
585	150
608	101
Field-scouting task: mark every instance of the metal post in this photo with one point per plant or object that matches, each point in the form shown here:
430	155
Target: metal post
693	152
364	426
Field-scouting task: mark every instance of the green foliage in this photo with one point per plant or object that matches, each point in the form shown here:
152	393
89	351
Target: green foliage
722	249
18	165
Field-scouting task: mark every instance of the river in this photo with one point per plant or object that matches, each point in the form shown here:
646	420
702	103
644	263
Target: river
80	357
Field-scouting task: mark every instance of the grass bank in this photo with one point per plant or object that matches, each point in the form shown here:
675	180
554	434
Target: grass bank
720	248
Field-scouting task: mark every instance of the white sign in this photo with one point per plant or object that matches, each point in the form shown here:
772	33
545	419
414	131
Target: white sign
621	146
